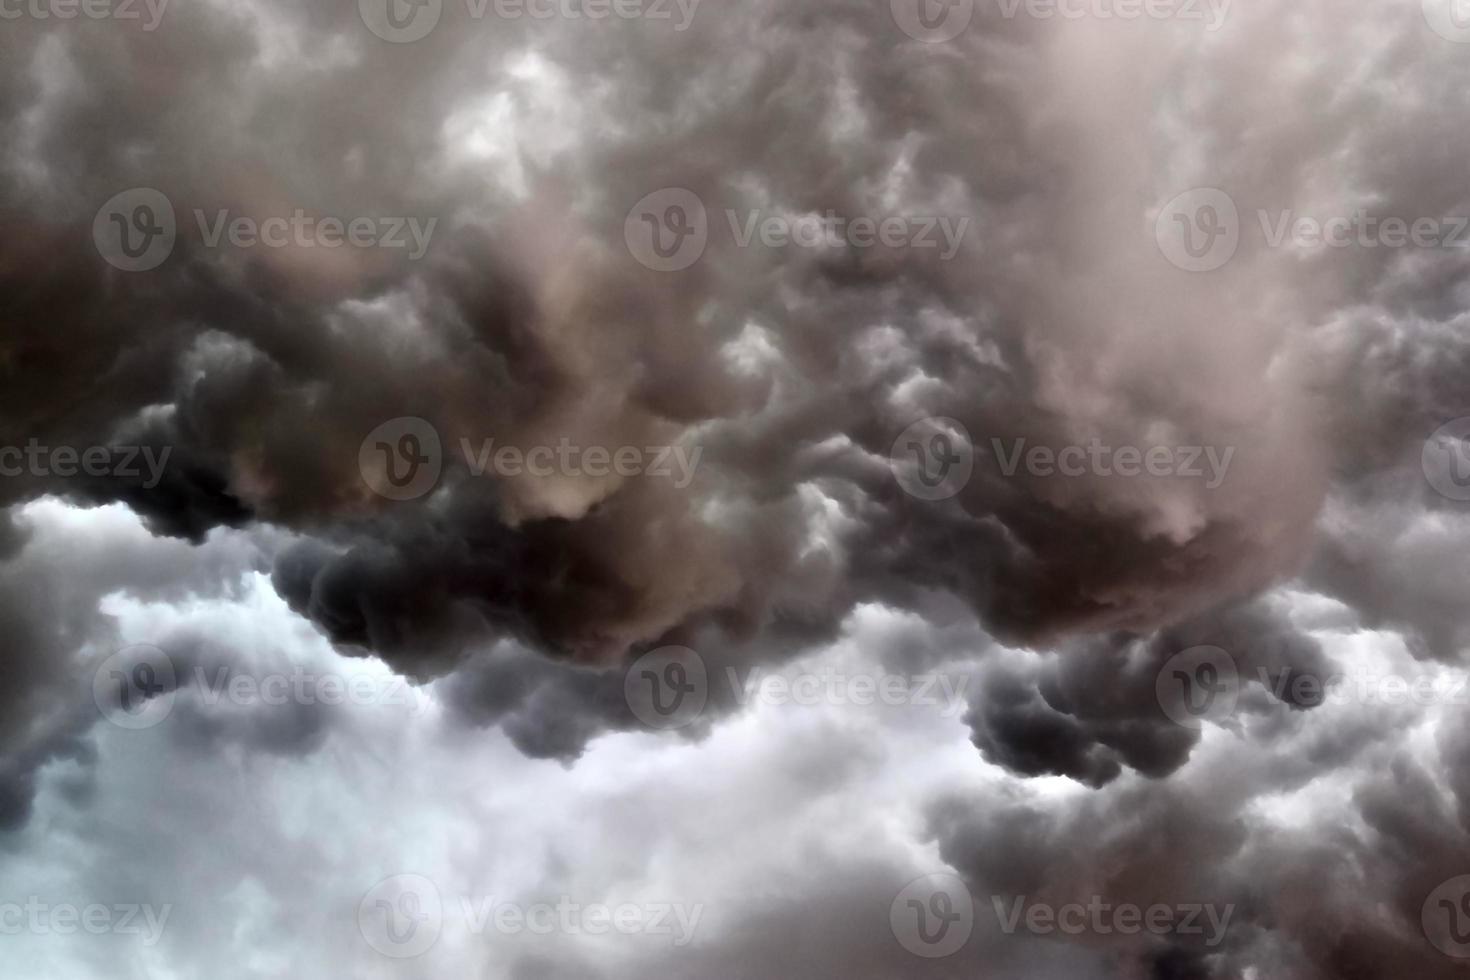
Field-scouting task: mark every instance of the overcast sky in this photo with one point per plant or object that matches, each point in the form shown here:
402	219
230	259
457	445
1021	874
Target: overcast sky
734	489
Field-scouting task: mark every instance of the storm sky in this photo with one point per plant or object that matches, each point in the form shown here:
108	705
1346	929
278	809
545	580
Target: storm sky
734	489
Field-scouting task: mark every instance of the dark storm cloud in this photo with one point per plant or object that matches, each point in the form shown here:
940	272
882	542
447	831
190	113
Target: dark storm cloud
528	321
